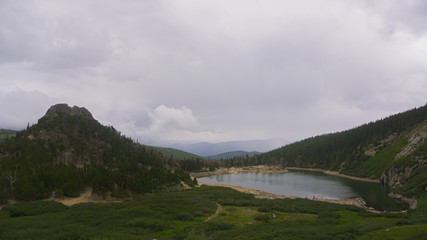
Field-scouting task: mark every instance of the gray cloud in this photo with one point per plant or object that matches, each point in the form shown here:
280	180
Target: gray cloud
218	70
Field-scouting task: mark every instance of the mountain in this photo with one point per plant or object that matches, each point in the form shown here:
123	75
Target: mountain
175	153
6	134
68	150
209	149
393	149
233	154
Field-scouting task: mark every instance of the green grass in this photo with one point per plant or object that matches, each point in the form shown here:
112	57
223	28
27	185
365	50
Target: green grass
183	215
398	232
376	165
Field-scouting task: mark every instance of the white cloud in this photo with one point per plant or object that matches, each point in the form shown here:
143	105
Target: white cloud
244	69
20	108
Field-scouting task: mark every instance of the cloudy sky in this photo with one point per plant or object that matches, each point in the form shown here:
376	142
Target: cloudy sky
201	70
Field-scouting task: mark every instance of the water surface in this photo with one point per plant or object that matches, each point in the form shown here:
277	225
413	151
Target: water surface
309	184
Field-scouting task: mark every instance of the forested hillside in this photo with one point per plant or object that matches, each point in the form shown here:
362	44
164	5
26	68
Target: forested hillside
68	150
393	149
175	153
396	142
6	134
233	154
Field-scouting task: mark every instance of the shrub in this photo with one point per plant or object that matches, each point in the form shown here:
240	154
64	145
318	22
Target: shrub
184	217
262	217
34	208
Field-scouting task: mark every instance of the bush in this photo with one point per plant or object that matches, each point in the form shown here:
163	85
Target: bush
262	217
184	217
264	209
33	208
151	224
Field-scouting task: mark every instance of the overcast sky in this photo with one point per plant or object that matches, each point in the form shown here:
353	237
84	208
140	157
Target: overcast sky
203	70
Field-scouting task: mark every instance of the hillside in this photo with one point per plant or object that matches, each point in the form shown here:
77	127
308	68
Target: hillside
233	154
68	150
6	134
175	153
393	149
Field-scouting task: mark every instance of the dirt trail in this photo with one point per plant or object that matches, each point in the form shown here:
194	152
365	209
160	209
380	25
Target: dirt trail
218	210
85	197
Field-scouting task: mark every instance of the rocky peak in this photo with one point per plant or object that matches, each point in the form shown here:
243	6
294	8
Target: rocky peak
63	108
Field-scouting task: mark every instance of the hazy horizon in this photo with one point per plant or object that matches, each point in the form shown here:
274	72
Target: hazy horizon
214	71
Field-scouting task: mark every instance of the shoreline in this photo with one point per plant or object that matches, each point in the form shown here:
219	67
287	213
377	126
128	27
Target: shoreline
358	202
234	170
335	173
276	169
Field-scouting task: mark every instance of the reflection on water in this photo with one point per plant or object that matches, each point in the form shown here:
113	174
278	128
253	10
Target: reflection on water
310	184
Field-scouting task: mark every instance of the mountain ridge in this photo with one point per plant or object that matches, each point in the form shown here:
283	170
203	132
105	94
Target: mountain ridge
68	150
228	155
205	149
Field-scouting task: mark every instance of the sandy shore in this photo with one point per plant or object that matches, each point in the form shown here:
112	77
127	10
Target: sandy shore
358	202
234	170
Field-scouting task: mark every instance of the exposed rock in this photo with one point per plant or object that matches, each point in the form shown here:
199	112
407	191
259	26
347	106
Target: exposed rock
396	177
372	149
64	108
410	201
417	137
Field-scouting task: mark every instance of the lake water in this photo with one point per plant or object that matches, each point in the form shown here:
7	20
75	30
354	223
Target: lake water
311	184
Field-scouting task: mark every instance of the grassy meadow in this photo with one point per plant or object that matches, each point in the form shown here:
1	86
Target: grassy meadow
207	213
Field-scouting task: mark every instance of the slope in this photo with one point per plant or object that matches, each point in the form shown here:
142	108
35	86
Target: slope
68	150
392	149
175	153
6	134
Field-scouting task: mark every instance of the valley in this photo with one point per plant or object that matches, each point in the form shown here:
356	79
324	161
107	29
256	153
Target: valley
70	177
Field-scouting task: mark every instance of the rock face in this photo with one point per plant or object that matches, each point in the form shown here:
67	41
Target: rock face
63	108
398	174
410	201
418	137
395	177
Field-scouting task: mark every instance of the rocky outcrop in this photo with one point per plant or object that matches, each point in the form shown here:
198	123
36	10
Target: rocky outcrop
63	108
412	203
417	137
400	173
395	177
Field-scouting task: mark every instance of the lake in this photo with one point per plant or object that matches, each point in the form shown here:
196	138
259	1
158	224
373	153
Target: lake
311	184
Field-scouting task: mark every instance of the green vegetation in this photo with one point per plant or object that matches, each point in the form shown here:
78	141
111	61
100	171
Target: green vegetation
377	164
68	151
230	155
175	153
366	151
6	134
345	151
187	214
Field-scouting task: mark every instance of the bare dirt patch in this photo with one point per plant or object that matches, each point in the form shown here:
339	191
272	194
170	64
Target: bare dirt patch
85	197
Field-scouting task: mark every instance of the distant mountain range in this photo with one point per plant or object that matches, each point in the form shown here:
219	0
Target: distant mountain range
206	149
175	153
229	155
